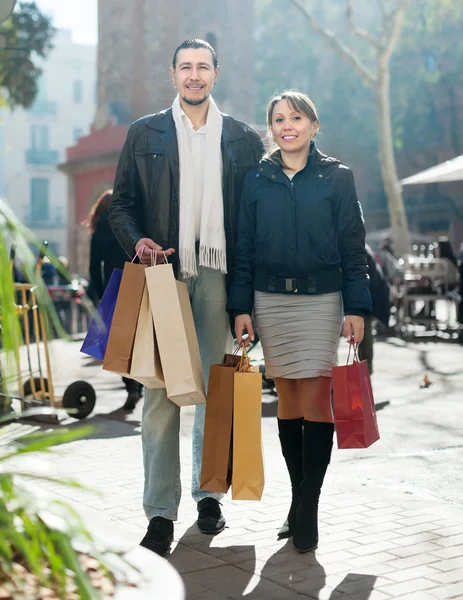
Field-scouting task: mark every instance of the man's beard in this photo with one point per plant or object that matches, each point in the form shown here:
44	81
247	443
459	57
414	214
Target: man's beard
195	102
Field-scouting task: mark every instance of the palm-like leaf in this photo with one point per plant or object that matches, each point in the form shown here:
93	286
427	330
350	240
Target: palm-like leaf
40	531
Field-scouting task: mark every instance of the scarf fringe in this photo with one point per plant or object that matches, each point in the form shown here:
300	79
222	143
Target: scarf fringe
188	262
214	258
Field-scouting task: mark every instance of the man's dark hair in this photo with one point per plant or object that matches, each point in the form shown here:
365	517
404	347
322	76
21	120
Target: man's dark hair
195	44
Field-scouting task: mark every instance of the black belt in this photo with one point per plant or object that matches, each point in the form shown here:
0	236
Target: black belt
324	281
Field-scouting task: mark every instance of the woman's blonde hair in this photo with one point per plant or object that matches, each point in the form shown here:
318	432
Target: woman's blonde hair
299	102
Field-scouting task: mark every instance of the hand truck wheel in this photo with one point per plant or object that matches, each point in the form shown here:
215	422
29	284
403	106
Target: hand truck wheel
79	396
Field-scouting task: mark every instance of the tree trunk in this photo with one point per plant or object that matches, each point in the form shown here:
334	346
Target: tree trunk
392	187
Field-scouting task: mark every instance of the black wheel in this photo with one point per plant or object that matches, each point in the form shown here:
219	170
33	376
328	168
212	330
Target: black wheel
81	397
28	393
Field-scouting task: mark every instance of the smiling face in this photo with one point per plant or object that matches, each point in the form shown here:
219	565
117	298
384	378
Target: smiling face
292	130
194	75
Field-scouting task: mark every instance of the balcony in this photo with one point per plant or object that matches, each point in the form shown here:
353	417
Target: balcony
35	156
43	108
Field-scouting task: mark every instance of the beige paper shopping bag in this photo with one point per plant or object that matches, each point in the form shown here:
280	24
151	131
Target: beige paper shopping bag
248	464
119	349
176	336
217	449
146	363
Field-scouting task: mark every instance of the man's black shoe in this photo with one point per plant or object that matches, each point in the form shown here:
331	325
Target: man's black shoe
210	517
159	536
132	398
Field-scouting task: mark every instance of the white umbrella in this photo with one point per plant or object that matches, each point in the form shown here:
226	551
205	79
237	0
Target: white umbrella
450	170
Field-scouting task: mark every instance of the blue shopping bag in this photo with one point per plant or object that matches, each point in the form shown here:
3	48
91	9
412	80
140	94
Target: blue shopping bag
97	335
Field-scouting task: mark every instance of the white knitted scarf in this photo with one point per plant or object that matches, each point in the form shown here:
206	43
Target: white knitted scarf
212	247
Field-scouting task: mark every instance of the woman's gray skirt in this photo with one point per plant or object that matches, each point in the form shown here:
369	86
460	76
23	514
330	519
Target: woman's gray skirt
299	334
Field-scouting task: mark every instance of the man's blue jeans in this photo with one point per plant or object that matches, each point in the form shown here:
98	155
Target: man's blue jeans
161	417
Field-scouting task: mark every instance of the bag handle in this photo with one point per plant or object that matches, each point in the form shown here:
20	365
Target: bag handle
155	260
355	357
245	363
139	254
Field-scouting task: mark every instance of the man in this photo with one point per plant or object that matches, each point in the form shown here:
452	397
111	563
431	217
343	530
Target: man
177	189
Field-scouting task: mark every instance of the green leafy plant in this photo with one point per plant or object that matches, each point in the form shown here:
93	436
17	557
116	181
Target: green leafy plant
39	534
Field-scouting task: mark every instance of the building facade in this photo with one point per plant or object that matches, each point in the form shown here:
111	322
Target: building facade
34	141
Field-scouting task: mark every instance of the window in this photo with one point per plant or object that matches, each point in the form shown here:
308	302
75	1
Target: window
78	133
39	137
77	91
39	200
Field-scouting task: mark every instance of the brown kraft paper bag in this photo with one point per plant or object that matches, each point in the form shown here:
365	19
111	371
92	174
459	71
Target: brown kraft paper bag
248	465
146	363
217	456
176	336
118	353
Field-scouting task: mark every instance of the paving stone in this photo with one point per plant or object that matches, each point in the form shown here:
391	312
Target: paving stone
404	551
413	573
400	590
363	561
367	549
187	560
414	561
451	552
448	576
450	564
452	591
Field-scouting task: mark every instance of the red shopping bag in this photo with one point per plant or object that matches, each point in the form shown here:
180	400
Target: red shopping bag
353	405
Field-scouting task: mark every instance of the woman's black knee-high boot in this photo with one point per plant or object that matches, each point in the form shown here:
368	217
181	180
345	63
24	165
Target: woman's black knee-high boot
318	443
290	432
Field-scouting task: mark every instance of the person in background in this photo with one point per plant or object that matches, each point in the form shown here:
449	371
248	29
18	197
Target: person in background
106	254
388	262
381	307
444	251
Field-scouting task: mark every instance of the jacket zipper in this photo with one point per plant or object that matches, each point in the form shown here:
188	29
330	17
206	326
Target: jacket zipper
293	196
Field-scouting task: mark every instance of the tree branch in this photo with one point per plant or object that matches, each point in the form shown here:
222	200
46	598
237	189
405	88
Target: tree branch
361	33
342	49
394	25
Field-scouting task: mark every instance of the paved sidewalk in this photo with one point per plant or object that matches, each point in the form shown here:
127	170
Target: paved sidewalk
378	538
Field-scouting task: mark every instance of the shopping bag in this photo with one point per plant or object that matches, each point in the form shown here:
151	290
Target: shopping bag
146	366
217	448
353	405
176	336
96	340
248	465
118	354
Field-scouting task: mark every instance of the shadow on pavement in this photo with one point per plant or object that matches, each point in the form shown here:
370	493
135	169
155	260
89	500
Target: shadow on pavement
308	576
107	426
202	567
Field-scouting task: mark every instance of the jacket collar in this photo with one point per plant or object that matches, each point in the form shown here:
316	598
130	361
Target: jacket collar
164	122
316	159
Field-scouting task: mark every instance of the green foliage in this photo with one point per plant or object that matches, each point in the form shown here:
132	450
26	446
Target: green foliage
38	531
290	54
426	79
14	234
28	35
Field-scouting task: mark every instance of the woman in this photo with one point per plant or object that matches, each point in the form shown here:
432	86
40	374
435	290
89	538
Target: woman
300	256
106	254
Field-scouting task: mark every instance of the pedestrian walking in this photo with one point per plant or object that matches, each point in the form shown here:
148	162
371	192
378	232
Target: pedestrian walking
106	254
381	307
300	258
177	192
